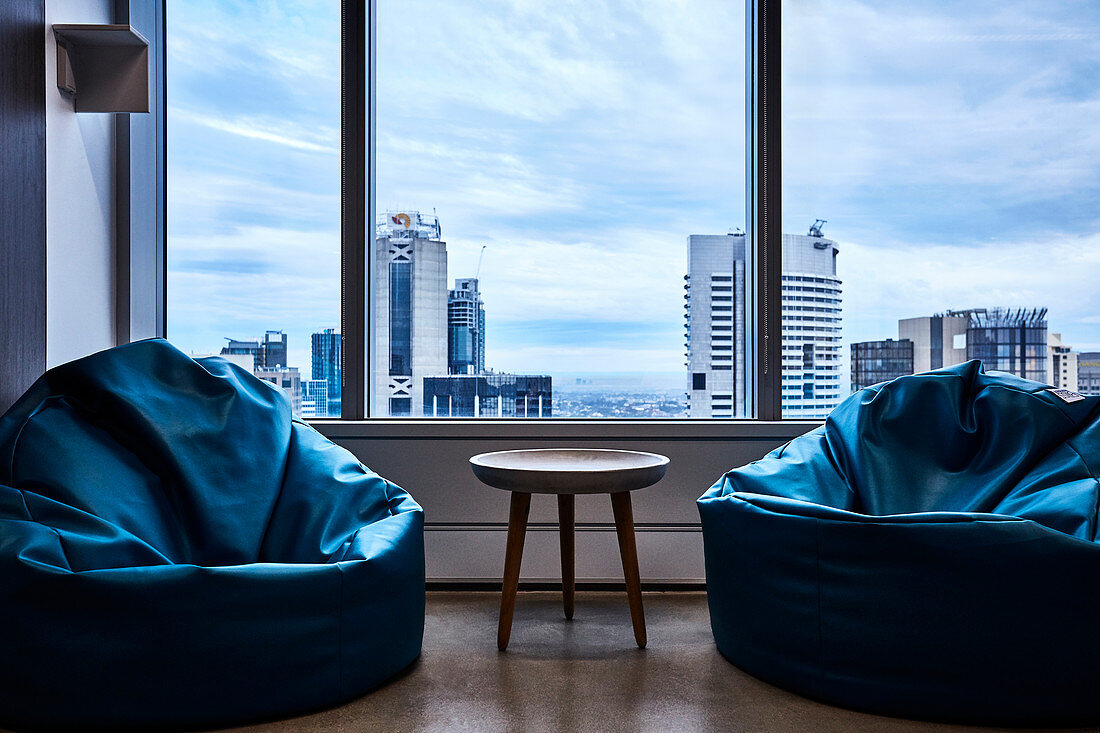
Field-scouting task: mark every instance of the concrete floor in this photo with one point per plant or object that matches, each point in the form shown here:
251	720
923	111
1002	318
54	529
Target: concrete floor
579	675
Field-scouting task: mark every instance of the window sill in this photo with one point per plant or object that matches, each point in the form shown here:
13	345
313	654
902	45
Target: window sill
557	429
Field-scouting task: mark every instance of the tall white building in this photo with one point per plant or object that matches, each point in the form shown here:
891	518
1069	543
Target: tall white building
714	304
811	326
715	318
1063	363
409	311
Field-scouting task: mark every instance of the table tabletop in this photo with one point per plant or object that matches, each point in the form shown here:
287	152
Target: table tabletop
569	470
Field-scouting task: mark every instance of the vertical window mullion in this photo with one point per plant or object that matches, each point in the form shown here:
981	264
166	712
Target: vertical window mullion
763	206
353	206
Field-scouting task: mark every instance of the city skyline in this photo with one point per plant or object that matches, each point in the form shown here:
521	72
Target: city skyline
430	351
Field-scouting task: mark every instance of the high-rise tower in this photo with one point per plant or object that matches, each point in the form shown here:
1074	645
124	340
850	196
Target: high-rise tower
465	329
714	304
409	311
274	350
716	311
325	348
811	326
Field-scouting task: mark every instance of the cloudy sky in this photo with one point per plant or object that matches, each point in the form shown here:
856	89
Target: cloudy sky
952	147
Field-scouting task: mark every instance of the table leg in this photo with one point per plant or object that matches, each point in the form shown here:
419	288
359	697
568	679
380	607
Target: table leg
513	556
624	528
566	535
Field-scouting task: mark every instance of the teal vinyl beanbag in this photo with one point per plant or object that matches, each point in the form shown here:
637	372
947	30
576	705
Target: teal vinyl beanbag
930	552
176	550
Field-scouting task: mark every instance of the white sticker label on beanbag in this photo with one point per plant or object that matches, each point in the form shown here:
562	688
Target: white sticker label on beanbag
1066	396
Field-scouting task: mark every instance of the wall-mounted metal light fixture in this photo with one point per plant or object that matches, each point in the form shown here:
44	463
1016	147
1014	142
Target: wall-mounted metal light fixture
103	68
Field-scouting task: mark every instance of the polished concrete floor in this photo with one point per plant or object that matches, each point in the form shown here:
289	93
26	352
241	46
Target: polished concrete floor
579	675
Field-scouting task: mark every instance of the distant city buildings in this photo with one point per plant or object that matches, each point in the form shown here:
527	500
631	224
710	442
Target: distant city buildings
286	378
249	349
269	353
880	361
1004	339
428	356
274	350
1009	340
1063	363
315	399
465	329
487	395
267	359
938	340
325	366
1088	373
715	312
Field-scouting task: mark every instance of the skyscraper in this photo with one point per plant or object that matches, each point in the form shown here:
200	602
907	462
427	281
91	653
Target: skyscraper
274	349
715	314
325	349
465	329
714	305
811	326
409	310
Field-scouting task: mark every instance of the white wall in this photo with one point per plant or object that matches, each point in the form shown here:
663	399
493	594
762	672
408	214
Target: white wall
79	208
466	522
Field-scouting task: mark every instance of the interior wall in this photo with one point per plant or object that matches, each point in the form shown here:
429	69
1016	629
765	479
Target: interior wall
23	202
80	316
466	522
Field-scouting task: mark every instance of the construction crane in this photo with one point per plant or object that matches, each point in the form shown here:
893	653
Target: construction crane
815	228
477	273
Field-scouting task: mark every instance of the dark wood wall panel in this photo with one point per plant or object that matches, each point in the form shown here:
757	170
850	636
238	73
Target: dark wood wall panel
22	196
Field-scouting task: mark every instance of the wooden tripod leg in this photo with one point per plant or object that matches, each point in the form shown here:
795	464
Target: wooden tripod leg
624	528
513	556
566	537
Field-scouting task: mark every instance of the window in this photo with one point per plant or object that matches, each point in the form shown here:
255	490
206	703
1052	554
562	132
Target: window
541	169
539	172
253	266
939	186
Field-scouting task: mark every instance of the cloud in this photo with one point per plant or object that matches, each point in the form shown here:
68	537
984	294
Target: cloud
311	139
906	124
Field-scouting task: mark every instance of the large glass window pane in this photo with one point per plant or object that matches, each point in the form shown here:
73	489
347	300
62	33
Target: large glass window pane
543	169
254	190
940	192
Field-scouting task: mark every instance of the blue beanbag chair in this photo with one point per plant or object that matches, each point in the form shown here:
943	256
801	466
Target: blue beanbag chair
930	552
175	549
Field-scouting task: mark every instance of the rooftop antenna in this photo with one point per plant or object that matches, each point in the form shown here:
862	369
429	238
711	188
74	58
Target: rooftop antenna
815	228
479	258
